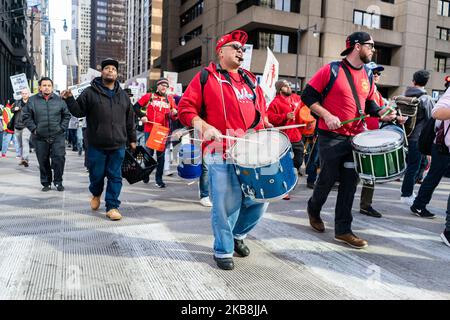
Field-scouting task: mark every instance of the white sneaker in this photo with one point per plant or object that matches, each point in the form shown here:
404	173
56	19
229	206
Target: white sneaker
206	202
408	200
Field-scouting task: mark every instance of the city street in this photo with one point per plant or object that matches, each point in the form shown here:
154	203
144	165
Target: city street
52	246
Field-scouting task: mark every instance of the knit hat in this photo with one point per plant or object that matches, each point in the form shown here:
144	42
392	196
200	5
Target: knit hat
280	84
162	81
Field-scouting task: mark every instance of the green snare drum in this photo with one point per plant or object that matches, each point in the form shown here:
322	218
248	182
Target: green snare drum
379	155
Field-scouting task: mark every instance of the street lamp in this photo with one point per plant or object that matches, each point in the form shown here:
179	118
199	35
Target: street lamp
204	39
316	34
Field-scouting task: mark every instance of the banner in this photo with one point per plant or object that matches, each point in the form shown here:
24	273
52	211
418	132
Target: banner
90	75
19	82
173	80
247	63
270	76
68	53
179	89
78	89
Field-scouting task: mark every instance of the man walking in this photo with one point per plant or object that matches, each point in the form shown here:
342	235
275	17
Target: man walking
22	133
352	95
47	117
110	128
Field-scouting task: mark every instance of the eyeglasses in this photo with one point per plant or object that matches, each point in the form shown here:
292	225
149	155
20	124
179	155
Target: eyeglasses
371	45
236	47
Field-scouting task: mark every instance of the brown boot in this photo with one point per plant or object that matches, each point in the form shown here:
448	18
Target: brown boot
316	222
352	240
114	214
95	203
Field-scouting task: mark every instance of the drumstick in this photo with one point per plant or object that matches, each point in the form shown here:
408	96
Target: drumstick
290	127
366	116
229	137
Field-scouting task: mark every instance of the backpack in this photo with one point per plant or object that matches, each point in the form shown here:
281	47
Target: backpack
410	107
427	137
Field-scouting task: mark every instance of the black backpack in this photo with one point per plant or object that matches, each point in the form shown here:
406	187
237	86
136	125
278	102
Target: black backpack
427	136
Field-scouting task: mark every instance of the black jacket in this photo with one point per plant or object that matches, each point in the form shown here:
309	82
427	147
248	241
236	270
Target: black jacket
423	113
110	120
46	118
18	114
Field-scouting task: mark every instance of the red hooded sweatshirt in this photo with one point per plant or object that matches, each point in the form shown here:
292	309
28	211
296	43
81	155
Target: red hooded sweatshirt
159	109
229	107
277	113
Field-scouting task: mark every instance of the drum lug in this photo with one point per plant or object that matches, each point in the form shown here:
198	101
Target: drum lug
256	175
262	193
292	155
238	172
285	185
281	168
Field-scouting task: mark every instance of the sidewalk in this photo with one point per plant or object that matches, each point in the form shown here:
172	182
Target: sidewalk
52	246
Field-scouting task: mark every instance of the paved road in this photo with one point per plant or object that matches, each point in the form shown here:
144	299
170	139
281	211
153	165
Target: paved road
53	247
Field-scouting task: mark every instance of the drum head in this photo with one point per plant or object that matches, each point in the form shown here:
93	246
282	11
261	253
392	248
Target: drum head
377	140
266	147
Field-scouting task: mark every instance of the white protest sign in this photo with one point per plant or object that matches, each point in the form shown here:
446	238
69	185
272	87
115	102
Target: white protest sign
68	53
270	76
19	82
78	89
142	85
173	80
90	75
247	63
179	89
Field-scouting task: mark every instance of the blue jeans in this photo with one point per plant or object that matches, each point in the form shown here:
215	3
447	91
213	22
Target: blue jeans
79	139
106	163
203	182
7	138
438	167
140	138
412	168
233	216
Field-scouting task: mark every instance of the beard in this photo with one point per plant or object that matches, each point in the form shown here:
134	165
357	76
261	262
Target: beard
286	94
365	58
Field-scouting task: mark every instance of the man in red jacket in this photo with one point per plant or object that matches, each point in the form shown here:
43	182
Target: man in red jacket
282	112
160	109
229	104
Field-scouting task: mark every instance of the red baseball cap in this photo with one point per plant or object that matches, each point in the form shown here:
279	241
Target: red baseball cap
237	35
447	79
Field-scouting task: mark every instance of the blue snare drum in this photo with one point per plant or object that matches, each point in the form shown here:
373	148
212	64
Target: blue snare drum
190	162
264	165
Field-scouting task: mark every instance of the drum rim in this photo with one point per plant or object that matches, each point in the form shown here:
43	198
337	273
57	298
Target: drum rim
233	148
391	146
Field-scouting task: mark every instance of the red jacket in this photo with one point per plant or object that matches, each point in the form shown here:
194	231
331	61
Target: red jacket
228	108
372	122
277	113
159	110
7	116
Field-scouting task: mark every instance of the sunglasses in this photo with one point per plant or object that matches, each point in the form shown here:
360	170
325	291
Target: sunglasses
371	45
377	74
236	47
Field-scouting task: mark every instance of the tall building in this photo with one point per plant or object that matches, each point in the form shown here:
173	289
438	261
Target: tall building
13	46
108	33
144	38
81	33
409	35
51	54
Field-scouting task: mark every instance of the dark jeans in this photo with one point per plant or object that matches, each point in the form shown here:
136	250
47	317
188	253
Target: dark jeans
204	181
72	137
412	168
160	158
447	219
312	162
438	167
298	148
106	163
367	192
336	161
51	155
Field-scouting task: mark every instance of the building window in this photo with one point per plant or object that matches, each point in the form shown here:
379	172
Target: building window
372	20
382	55
277	42
192	13
191	35
191	60
443	33
282	5
441	63
443	8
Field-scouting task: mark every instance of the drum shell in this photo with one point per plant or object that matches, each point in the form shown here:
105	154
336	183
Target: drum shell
189	171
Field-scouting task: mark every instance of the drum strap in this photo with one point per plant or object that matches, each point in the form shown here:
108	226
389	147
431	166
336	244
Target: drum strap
355	94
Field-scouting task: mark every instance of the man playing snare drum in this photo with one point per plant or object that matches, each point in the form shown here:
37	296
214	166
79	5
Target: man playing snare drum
229	104
351	95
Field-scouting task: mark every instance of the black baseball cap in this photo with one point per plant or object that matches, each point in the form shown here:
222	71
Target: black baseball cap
353	39
110	62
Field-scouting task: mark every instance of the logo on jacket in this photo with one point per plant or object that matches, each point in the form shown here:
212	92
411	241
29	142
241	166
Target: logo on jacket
243	95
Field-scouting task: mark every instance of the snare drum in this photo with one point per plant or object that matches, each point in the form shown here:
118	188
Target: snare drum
264	165
379	155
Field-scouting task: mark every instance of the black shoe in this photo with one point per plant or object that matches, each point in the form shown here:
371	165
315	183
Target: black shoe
423	213
445	236
160	185
240	248
224	263
310	185
146	179
59	187
371	212
46	188
25	164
